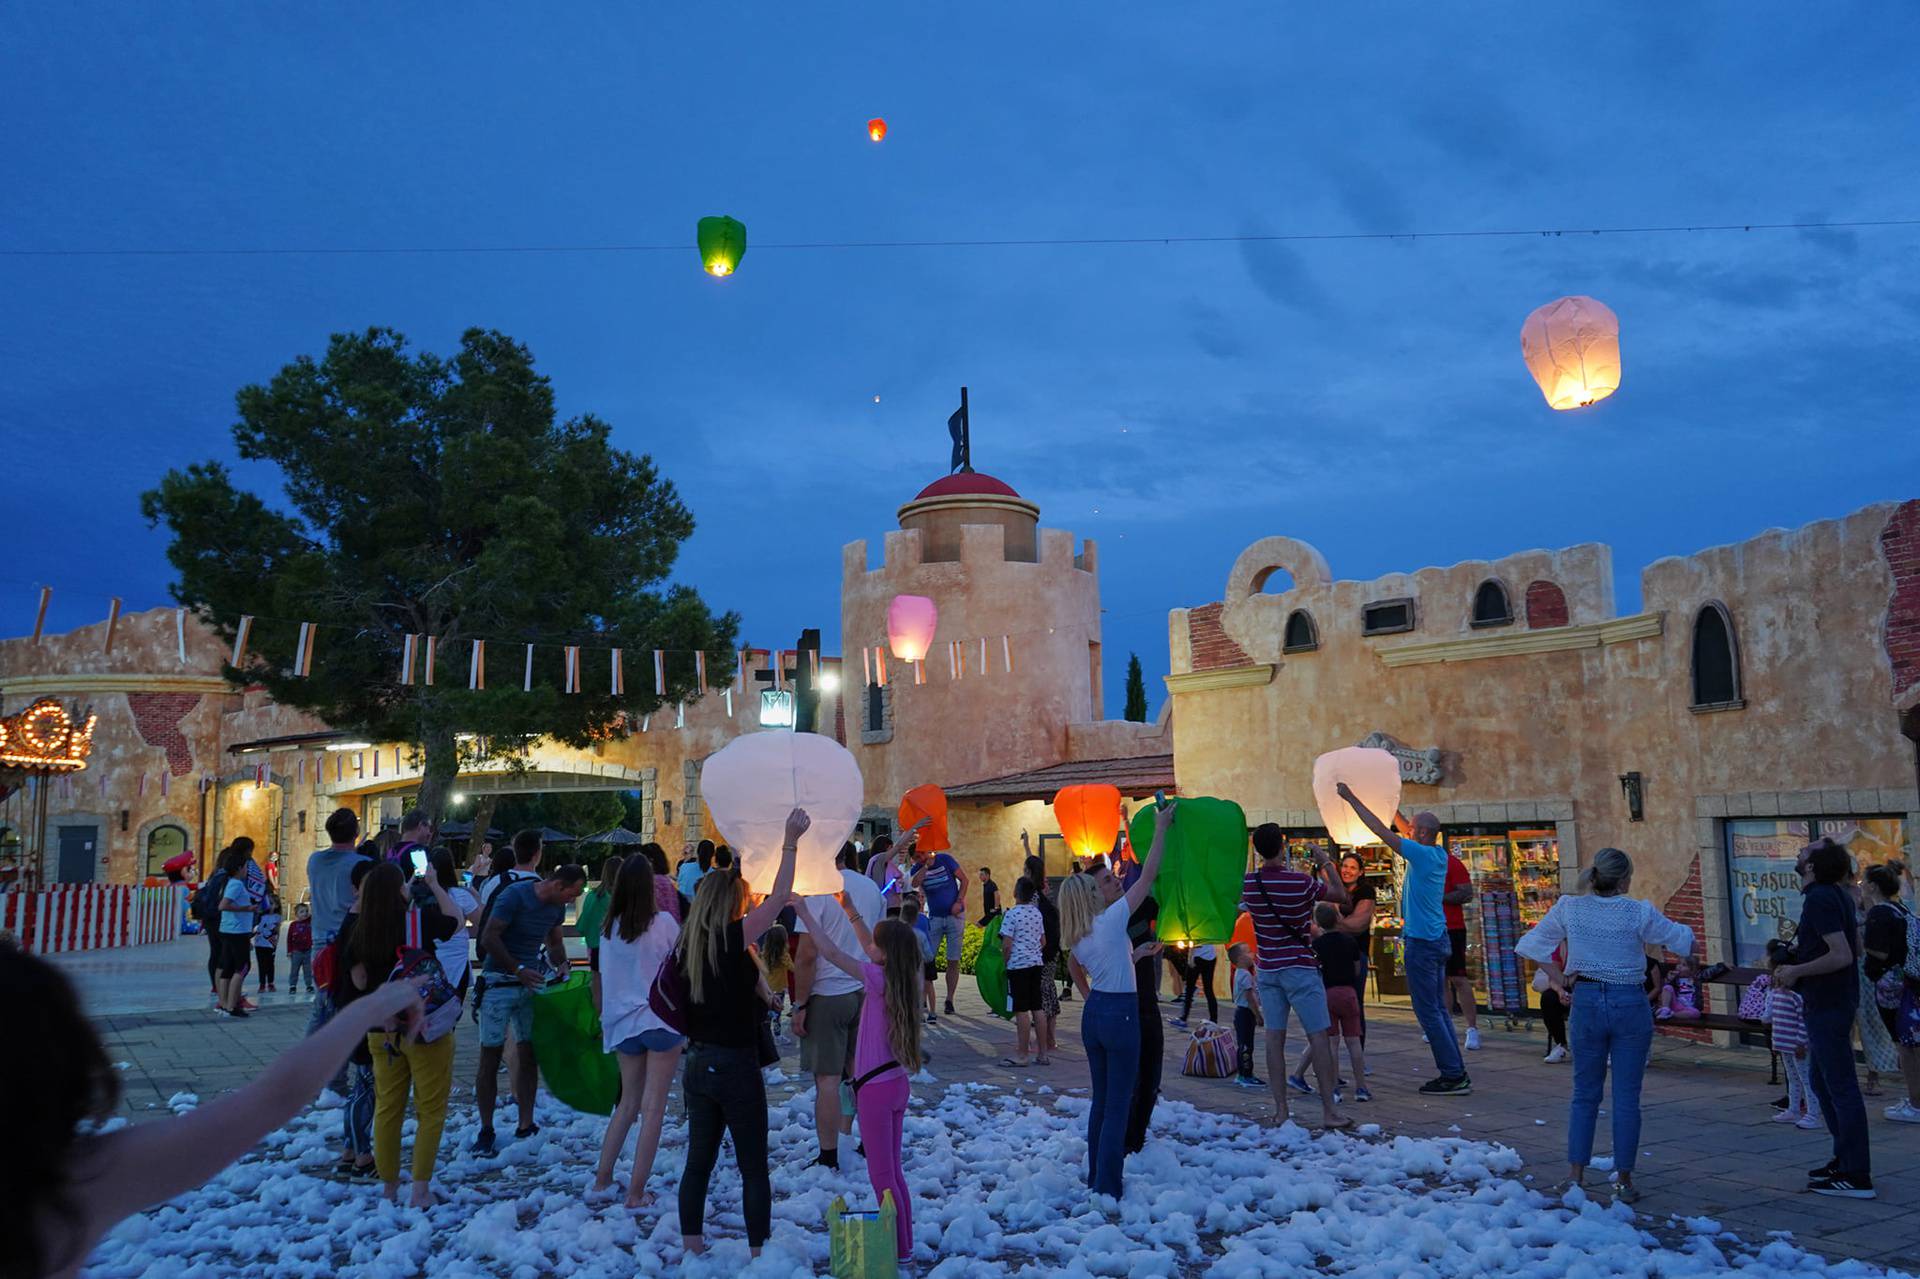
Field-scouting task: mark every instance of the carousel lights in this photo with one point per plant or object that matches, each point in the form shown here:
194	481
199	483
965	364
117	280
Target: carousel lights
45	738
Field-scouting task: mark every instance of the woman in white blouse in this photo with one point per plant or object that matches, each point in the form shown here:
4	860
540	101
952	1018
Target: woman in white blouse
1093	929
639	938
1606	934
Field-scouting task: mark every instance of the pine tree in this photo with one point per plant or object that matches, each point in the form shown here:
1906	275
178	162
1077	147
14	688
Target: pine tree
1136	691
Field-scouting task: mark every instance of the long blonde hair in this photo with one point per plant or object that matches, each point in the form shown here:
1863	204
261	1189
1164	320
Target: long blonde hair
899	946
1079	901
716	904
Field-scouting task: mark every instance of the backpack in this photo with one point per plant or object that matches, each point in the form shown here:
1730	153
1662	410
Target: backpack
671	995
1911	968
418	964
206	902
507	879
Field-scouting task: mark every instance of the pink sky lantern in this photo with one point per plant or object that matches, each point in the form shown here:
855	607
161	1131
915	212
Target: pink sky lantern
1374	776
1572	348
910	623
754	781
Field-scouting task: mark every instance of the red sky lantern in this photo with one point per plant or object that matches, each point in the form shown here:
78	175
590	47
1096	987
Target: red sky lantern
930	802
1089	818
877	129
910	623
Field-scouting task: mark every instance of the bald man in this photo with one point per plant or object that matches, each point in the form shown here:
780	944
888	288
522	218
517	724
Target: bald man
1424	933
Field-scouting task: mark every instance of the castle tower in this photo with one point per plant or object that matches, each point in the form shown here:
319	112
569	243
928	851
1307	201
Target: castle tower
973	545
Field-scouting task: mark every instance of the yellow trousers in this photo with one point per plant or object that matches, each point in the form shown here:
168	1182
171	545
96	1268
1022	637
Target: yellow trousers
399	1064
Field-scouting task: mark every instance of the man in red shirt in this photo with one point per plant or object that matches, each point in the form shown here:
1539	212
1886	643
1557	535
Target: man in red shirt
1459	890
1281	903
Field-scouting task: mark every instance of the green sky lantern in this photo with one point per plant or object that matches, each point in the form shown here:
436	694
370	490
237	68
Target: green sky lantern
1202	870
990	970
723	242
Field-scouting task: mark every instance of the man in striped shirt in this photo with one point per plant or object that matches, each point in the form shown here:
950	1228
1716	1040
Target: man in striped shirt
1281	903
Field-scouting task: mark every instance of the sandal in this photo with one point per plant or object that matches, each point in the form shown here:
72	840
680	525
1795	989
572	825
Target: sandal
1043	1061
1014	1063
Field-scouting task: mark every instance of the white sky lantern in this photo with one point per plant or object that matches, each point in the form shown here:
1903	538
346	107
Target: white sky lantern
752	783
1572	348
911	620
1374	776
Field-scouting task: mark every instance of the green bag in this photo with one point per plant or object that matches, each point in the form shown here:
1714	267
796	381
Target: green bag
566	1040
990	970
862	1245
1202	871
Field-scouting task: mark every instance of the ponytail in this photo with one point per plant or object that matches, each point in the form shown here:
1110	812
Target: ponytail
1609	869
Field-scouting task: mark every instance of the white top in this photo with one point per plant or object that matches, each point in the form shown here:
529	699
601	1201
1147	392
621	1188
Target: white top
828	979
497	882
1023	933
627	970
1606	937
457	951
1205	952
1106	953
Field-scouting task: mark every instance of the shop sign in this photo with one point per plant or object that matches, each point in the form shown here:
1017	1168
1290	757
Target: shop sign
1421	767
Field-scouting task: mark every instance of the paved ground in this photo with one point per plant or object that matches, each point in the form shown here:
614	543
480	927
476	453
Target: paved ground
1709	1146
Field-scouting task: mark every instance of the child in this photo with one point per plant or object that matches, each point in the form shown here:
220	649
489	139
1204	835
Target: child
1023	935
300	949
1787	1014
1680	996
266	939
1247	1017
776	960
1338	953
886	1047
910	914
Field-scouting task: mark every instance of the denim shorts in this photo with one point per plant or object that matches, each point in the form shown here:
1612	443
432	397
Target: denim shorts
1299	989
951	927
658	1040
506	1004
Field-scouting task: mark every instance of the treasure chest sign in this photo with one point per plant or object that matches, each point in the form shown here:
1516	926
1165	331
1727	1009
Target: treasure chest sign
1766	889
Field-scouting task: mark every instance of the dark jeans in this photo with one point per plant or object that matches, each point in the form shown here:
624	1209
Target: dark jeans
1200	972
264	963
1243	1035
213	958
1146	1084
1830	1062
1554	1014
1426	970
1110	1032
724	1093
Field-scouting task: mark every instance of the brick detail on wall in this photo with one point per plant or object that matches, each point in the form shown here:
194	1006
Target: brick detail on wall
1686	907
157	716
1546	606
1213	648
1900	543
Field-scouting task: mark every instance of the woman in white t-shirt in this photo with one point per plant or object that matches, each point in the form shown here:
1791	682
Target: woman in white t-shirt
456	952
1093	928
639	937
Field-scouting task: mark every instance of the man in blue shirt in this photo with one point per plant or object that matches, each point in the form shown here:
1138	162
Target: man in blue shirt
522	920
1423	932
943	885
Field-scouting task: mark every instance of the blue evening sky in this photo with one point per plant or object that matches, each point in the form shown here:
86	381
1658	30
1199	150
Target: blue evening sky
1174	402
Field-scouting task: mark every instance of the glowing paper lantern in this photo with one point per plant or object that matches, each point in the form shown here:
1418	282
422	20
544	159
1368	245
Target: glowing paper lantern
1089	818
754	781
723	242
877	129
930	802
1243	932
910	623
1572	348
1201	871
990	971
1374	776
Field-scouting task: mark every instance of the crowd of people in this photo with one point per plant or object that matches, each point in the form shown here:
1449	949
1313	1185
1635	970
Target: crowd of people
693	968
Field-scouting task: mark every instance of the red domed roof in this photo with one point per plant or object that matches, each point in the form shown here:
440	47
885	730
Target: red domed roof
964	483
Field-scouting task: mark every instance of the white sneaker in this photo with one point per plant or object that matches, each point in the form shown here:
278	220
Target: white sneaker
328	1100
1556	1054
1424	1039
1809	1122
1787	1117
1903	1113
1473	1038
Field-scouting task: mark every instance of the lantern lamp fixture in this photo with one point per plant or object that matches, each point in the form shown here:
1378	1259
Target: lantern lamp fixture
1630	786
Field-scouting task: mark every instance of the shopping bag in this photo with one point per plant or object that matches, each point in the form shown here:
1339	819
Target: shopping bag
862	1245
990	970
566	1042
1210	1053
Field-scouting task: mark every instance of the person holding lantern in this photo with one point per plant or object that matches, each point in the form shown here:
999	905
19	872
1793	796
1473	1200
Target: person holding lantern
943	886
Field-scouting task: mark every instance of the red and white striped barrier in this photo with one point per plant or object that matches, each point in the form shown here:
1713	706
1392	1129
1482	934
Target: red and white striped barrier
68	917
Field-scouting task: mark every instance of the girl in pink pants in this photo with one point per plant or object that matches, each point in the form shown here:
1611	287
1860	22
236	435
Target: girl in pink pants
885	1050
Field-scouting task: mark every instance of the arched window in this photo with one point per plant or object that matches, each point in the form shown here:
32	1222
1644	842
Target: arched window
1302	636
164	842
1716	659
1490	606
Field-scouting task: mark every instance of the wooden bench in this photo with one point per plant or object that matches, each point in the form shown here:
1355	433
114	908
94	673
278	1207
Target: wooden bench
1734	981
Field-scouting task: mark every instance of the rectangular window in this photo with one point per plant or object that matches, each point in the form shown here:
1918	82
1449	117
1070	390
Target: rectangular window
1387	617
876	709
1763	891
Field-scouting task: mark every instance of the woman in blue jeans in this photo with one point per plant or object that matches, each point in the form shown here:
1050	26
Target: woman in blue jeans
1606	934
1093	928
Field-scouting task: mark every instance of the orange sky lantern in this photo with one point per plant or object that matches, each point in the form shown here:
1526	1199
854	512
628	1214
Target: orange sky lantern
1089	818
1572	348
877	129
927	801
910	624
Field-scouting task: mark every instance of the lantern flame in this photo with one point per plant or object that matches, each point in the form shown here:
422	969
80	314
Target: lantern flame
1572	348
877	129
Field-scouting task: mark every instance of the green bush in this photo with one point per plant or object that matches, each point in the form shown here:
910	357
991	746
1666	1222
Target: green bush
969	949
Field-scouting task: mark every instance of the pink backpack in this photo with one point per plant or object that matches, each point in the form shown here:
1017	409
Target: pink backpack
1753	1000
